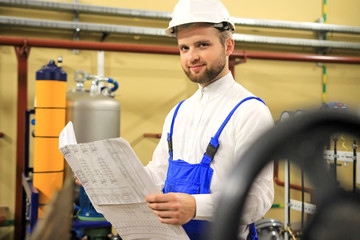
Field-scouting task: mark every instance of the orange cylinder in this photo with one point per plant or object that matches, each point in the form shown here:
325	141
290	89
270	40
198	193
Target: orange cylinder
50	110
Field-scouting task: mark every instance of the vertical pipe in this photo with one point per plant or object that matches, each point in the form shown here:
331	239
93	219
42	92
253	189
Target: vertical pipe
100	67
354	166
100	63
22	54
77	30
324	66
323	98
335	138
325	11
287	199
302	199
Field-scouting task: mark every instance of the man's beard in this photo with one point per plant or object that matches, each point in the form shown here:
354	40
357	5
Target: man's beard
210	74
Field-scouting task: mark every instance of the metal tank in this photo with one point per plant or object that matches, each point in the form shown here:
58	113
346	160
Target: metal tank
95	113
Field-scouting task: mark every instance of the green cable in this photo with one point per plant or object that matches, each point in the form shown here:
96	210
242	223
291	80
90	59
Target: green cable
278	205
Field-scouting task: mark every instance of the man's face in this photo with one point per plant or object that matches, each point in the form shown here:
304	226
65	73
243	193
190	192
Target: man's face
203	57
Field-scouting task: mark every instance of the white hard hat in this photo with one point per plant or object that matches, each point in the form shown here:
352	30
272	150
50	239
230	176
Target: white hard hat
200	11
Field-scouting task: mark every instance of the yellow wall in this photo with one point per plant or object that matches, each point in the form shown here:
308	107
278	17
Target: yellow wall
151	84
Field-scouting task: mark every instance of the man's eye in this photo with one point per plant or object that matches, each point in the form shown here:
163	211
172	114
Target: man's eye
202	45
184	48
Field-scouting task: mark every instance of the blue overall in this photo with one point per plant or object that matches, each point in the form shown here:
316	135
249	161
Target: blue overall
196	178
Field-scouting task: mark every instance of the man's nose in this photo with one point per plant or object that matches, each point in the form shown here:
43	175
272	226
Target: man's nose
193	56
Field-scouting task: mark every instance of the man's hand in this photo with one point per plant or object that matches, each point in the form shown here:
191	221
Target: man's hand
77	180
172	208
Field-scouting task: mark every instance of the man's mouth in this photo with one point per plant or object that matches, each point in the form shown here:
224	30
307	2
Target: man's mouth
196	68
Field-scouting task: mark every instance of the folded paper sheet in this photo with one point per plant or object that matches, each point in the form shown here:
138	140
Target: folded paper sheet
117	183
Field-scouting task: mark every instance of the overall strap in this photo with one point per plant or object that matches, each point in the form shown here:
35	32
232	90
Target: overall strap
169	136
214	142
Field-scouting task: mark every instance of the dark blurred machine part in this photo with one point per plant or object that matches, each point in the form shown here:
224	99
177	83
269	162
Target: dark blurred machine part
334	106
300	140
56	222
95	115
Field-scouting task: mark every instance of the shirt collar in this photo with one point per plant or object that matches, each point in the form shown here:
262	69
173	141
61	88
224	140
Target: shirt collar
218	87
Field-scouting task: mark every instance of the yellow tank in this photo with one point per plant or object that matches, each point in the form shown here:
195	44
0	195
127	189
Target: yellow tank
49	121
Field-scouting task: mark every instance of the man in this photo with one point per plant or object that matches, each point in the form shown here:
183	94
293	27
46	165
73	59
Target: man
198	147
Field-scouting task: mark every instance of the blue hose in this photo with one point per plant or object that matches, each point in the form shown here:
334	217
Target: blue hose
116	85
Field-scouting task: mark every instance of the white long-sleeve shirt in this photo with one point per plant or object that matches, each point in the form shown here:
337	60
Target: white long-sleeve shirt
197	121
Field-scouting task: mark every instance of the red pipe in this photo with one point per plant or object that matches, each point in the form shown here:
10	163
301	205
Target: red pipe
281	183
152	135
22	53
85	45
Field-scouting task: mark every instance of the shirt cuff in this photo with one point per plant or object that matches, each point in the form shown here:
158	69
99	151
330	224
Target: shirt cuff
204	207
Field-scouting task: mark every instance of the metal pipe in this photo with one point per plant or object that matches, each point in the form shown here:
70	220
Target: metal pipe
295	57
295	41
137	13
354	166
80	26
152	135
136	48
85	8
22	53
282	183
303	26
85	45
157	32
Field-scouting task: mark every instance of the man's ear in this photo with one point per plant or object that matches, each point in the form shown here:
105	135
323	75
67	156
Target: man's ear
229	46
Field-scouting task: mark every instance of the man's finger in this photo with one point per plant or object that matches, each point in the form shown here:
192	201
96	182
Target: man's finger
158	198
162	206
167	217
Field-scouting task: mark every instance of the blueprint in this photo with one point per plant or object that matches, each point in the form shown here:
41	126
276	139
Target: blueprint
116	183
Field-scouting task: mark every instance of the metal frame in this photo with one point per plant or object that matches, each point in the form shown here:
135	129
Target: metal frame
32	202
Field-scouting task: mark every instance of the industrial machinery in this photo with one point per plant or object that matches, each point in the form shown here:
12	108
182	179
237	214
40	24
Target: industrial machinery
300	140
95	115
332	157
